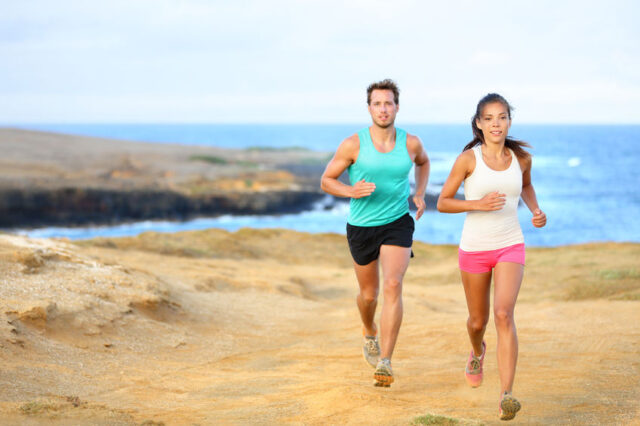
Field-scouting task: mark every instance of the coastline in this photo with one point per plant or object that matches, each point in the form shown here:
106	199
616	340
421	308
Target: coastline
53	179
236	327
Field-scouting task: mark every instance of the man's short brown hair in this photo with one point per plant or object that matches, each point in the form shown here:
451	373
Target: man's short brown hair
386	84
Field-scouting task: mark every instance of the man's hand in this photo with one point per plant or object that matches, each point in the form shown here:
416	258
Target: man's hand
418	200
362	189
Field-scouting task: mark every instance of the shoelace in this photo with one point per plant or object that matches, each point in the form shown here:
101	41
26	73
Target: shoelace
474	364
372	348
385	364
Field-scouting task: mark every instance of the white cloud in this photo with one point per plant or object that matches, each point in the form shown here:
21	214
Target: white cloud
290	60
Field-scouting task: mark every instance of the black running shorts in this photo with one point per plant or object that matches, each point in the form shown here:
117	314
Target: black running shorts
365	241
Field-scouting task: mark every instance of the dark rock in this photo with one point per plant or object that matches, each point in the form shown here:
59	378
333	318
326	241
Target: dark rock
79	206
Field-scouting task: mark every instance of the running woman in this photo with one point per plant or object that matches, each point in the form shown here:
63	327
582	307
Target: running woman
379	228
496	171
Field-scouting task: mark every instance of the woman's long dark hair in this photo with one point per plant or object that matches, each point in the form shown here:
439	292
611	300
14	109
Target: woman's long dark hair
478	138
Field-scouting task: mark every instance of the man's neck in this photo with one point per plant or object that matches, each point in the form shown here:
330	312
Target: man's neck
383	134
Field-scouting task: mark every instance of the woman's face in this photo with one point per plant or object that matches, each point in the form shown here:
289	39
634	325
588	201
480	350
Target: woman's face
494	122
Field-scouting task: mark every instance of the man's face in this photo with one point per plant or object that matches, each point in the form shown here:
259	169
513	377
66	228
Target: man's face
383	108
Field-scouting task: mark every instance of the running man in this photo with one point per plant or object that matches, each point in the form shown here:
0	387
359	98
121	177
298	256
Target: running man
379	227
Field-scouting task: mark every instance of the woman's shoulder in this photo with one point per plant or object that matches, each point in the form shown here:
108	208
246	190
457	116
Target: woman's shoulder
466	161
467	155
524	162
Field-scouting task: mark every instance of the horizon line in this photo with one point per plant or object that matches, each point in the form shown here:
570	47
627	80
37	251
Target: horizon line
296	123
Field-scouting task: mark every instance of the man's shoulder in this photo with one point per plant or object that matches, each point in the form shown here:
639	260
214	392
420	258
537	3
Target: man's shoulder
350	145
352	141
413	141
413	138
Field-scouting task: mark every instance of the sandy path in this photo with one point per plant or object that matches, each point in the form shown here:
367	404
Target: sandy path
260	336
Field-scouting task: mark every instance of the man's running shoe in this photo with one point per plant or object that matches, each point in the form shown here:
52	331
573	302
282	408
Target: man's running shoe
383	374
509	406
473	370
371	350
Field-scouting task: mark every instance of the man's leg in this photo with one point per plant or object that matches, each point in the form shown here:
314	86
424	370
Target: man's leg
394	261
367	299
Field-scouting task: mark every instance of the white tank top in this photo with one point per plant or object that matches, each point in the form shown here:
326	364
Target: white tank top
492	230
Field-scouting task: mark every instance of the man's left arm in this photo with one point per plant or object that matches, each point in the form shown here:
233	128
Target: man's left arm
421	160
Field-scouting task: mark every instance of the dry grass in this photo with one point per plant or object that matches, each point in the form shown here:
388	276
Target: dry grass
578	272
582	272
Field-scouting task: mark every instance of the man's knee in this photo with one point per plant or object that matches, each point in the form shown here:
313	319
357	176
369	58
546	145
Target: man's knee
392	286
369	296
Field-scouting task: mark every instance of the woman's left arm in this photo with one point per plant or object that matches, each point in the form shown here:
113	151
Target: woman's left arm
529	195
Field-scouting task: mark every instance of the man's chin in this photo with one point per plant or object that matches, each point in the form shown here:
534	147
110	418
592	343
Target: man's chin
385	125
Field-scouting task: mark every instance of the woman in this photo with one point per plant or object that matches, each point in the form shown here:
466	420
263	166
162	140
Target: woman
496	171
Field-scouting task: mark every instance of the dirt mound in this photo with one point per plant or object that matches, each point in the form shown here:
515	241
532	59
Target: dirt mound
260	327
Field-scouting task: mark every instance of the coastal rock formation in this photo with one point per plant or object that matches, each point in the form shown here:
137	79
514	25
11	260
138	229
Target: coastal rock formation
54	179
41	207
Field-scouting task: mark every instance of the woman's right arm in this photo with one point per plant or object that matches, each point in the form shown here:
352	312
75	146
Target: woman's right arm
345	155
463	167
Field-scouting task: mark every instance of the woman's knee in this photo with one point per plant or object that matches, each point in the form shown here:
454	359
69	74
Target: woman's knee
503	317
478	324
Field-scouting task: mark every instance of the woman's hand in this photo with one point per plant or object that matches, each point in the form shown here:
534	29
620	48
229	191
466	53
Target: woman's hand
539	218
491	202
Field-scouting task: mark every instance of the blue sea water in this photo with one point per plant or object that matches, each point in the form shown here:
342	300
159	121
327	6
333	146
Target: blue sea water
586	177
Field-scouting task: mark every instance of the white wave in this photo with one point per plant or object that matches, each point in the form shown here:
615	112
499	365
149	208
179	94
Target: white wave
574	162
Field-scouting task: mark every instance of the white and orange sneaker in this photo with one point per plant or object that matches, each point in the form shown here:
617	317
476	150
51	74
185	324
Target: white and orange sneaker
371	349
383	374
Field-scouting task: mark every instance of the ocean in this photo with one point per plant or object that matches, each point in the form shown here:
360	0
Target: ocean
586	177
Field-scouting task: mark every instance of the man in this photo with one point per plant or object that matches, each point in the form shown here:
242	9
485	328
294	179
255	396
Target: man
379	228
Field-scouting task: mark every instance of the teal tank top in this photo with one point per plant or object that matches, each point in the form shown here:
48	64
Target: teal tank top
390	172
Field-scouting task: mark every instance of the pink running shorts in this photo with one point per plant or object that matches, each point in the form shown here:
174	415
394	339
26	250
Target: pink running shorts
478	262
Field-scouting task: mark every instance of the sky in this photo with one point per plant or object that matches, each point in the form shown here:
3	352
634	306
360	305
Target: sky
286	61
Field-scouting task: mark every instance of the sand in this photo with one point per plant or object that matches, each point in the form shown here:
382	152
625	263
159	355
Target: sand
260	327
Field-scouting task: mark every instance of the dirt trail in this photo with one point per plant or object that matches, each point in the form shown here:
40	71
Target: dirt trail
242	328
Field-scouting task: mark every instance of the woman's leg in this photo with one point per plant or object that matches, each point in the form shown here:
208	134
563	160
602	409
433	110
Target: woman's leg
476	290
507	281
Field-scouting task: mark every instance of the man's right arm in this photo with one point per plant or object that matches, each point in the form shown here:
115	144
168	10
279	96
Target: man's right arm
345	155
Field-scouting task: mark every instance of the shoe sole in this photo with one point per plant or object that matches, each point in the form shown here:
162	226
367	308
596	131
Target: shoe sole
383	379
471	383
510	406
369	362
